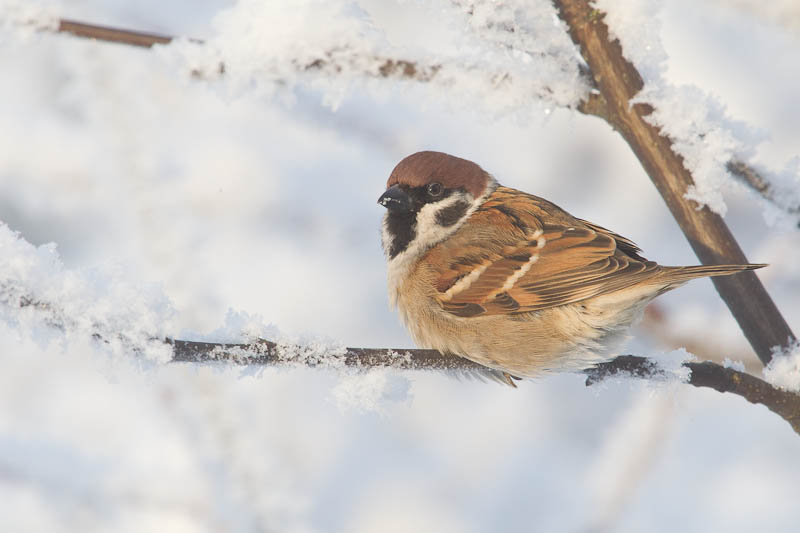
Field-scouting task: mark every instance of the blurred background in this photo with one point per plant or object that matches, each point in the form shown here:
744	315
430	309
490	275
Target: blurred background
244	208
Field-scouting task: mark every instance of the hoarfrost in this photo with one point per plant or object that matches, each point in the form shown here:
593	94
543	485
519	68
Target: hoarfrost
43	301
702	132
735	365
39	296
502	57
784	369
21	18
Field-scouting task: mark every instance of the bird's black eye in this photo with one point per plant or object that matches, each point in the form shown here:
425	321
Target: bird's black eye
435	189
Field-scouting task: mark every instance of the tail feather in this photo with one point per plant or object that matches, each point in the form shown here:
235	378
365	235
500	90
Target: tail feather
680	275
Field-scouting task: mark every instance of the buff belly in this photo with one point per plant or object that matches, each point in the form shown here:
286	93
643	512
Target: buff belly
569	337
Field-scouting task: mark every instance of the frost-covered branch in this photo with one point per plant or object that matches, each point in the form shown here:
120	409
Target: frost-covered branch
702	374
594	103
110	325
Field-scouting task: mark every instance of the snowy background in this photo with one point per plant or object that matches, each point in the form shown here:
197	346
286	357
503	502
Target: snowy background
246	205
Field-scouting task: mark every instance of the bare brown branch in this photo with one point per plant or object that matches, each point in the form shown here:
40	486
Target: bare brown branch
114	35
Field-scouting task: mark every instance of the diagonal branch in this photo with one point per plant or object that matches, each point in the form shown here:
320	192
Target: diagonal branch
618	82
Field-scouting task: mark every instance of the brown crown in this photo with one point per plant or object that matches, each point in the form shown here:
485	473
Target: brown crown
423	168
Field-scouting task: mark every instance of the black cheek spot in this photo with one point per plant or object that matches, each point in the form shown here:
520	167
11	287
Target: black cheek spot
451	214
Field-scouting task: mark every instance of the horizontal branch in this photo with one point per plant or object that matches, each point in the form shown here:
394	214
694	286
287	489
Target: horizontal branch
702	374
267	353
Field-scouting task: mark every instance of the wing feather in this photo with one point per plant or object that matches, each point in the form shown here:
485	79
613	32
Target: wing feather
533	266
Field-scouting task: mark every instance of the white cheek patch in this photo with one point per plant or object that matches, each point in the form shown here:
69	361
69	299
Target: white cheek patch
429	231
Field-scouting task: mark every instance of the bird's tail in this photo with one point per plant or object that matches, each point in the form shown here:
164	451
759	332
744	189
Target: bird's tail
675	276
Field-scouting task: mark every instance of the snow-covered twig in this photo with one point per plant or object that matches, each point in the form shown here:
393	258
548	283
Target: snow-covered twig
112	332
702	374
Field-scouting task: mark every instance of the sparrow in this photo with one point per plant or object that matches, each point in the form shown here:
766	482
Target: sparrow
507	279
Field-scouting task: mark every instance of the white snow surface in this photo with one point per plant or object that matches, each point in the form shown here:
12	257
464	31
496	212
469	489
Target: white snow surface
138	202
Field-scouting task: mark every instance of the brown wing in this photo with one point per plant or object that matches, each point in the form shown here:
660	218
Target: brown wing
531	266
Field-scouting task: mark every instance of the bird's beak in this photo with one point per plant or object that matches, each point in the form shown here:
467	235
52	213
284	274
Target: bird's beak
395	199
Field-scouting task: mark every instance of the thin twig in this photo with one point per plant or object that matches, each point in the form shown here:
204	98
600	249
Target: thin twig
751	177
703	374
709	375
113	35
268	353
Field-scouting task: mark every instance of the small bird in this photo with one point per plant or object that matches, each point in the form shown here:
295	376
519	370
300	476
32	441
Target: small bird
507	279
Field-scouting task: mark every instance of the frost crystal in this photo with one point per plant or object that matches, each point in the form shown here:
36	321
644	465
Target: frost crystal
784	369
502	56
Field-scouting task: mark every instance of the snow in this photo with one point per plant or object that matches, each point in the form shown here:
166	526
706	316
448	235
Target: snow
784	369
735	365
38	296
24	17
241	206
509	53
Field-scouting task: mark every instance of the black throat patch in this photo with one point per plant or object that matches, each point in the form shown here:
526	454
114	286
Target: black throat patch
402	228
